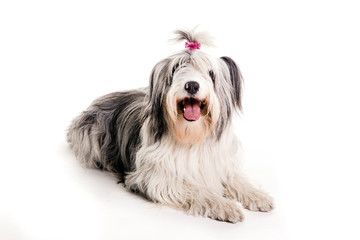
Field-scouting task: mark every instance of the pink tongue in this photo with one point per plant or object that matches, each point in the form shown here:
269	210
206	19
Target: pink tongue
192	111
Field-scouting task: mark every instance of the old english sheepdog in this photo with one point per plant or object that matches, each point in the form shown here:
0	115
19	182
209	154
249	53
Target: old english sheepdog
173	141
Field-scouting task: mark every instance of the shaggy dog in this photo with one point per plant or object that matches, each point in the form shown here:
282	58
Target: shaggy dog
173	141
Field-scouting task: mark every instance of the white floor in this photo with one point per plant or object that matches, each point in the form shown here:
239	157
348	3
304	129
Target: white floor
300	128
50	196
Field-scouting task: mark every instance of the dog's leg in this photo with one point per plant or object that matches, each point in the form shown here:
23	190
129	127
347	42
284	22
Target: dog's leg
192	199
207	203
250	196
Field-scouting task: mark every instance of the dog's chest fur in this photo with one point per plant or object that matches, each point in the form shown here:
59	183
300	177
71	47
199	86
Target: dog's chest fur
176	164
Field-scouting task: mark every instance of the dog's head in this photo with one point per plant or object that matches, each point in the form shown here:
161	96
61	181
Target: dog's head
193	95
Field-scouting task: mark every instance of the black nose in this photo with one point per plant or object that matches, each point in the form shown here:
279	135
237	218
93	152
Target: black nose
192	87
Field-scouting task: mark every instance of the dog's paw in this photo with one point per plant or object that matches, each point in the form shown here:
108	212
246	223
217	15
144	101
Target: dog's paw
229	211
221	209
257	201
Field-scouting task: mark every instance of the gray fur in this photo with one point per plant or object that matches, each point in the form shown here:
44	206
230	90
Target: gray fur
107	134
144	137
236	81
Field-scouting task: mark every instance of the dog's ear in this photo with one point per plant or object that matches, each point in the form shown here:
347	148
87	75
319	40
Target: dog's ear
236	81
160	81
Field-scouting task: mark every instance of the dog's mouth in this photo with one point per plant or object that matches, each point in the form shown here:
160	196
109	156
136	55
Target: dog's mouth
192	108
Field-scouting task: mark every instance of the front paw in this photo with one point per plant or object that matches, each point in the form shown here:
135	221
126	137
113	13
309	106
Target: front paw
229	211
257	201
221	209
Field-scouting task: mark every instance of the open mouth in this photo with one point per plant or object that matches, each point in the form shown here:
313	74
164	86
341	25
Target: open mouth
191	108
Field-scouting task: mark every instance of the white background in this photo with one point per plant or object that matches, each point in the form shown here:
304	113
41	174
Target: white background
300	128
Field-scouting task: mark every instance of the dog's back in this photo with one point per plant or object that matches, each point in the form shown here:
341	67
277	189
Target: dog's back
106	135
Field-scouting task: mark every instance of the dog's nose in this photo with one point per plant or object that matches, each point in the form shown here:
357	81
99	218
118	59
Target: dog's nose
192	87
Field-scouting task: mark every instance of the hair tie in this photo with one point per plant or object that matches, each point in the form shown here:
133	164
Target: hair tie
192	45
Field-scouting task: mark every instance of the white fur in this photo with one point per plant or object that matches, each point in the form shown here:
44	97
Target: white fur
196	177
191	165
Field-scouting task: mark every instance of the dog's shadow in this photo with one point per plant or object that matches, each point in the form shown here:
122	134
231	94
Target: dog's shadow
99	182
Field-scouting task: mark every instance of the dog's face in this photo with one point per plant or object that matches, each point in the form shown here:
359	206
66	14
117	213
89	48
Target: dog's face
192	106
192	96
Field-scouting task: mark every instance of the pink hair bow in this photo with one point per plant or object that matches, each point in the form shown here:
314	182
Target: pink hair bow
192	45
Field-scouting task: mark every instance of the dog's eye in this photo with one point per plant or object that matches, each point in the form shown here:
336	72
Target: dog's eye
174	69
212	76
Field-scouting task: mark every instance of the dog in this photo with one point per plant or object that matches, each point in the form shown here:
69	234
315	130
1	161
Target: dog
173	141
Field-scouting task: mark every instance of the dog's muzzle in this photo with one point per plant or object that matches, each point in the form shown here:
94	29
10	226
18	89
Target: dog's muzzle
191	108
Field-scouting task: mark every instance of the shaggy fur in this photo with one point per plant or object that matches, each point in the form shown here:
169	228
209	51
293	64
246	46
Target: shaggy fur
148	140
